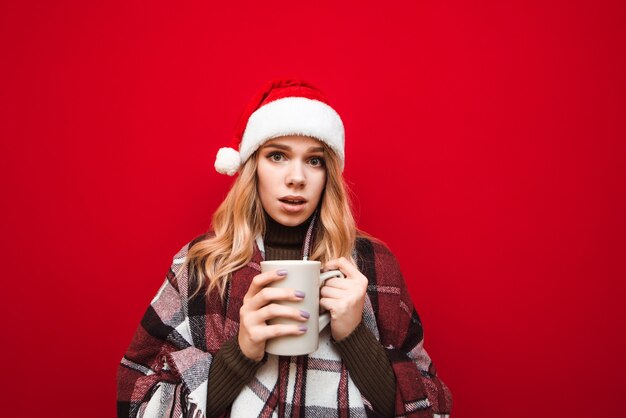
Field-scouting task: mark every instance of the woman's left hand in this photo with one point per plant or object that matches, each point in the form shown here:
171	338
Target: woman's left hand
344	298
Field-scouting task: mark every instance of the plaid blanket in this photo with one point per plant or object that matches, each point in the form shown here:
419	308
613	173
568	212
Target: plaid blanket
164	372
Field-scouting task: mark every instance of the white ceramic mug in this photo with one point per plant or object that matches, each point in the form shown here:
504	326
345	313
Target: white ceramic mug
305	276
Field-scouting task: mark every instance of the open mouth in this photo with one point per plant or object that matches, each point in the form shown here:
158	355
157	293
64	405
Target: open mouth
294	202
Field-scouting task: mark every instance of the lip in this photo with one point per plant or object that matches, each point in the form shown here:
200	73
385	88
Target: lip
292	198
290	207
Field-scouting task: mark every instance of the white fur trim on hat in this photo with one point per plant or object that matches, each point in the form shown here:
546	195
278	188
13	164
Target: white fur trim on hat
293	116
227	161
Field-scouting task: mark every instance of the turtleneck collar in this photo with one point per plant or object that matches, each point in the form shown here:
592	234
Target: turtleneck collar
284	242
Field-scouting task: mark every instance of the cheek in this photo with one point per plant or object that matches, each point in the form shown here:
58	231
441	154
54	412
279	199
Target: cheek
320	184
261	183
263	175
266	174
263	189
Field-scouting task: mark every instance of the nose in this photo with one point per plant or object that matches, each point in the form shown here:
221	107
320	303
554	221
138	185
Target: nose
295	176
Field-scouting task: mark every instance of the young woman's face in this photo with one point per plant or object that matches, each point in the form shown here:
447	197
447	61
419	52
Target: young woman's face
291	174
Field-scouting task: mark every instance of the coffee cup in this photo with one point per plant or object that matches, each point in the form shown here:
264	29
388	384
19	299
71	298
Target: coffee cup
303	275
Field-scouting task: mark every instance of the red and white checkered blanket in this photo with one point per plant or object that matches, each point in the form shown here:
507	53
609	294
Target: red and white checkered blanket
165	371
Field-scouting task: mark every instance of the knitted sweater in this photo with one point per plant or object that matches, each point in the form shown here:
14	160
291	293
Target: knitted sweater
165	370
364	356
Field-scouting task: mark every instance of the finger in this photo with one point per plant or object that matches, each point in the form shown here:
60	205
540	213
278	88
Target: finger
333	293
275	310
328	304
263	279
280	330
344	265
338	283
270	294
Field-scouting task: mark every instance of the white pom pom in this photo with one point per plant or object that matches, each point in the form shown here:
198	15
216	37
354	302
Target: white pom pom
227	161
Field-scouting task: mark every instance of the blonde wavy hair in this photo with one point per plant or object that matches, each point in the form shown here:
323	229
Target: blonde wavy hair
240	219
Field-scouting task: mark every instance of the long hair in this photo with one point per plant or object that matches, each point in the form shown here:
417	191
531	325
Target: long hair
240	219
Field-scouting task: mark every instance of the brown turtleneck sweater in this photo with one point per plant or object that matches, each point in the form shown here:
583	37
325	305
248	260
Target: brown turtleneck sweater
365	358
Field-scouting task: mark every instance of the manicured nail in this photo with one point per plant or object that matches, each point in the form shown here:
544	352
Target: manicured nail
299	294
305	314
281	272
303	328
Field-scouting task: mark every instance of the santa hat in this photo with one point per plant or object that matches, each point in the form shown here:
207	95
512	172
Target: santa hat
282	107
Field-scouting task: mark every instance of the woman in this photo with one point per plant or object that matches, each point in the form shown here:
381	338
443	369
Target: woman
200	348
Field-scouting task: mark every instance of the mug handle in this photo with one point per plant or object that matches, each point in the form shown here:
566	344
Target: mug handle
324	318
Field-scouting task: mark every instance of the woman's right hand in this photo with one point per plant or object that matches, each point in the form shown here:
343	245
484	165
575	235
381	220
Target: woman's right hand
258	307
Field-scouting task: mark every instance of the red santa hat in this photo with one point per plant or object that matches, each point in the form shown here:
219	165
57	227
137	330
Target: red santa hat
282	107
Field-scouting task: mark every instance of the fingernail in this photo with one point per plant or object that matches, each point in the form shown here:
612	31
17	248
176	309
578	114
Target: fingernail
304	314
299	294
281	272
303	328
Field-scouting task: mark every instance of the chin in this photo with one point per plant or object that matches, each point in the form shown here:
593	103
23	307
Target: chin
286	221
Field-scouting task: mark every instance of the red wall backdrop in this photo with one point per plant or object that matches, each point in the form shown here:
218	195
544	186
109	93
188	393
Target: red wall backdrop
485	145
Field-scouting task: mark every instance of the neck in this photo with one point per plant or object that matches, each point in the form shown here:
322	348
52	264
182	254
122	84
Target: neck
284	242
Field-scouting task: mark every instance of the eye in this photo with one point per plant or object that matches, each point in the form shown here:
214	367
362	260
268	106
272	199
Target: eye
276	157
316	162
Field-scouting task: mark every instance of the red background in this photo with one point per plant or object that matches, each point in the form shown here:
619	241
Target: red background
485	145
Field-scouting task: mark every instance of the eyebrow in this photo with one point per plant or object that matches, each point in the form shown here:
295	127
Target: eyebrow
288	148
